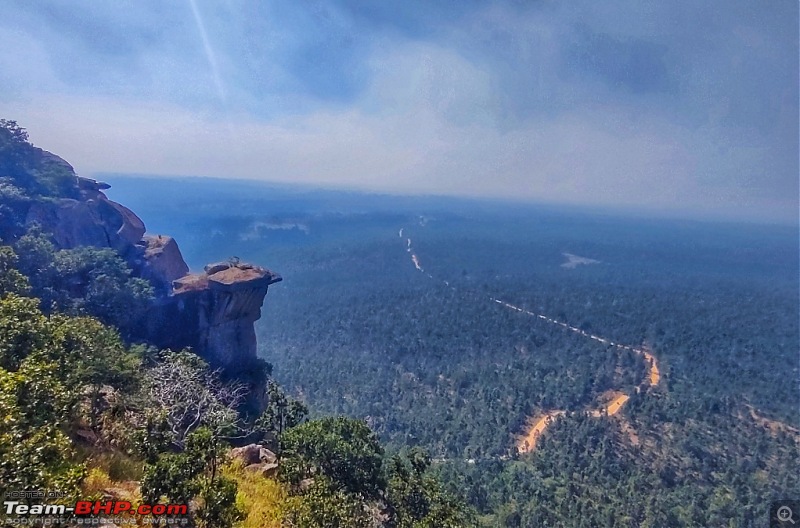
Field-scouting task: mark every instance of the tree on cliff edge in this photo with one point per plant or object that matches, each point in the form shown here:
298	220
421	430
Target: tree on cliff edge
282	412
36	173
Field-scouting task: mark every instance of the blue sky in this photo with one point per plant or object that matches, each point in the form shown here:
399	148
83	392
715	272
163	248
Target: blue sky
681	106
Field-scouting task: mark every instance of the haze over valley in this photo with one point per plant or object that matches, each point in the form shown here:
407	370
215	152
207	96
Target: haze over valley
401	264
454	326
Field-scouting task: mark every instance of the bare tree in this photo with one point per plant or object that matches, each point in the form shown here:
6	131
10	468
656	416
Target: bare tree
191	395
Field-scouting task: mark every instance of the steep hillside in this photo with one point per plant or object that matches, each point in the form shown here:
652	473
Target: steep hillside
123	377
213	311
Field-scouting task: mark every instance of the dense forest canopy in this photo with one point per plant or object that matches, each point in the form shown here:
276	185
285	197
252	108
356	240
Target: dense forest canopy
443	331
91	410
583	312
355	328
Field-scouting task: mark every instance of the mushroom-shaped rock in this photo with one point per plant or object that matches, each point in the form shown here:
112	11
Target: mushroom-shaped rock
214	313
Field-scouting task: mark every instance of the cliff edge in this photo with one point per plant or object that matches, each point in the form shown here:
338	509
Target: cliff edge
212	312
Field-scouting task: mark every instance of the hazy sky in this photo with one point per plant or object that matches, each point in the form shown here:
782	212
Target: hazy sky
689	106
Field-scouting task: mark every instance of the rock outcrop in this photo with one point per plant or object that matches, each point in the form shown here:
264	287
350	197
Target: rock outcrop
256	458
212	312
253	454
95	221
162	261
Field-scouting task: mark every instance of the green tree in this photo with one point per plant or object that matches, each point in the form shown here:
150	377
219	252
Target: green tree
11	133
34	452
83	352
35	404
23	330
99	284
217	494
91	356
11	280
281	413
417	500
37	262
84	281
13	205
326	505
15	153
172	475
342	449
28	168
46	367
194	473
154	438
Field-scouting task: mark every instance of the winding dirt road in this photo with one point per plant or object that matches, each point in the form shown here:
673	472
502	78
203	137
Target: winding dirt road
527	441
538	424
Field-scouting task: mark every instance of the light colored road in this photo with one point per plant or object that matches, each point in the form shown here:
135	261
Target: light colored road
527	441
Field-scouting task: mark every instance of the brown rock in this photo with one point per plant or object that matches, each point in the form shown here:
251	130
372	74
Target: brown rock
86	217
269	470
266	470
216	267
163	260
73	223
95	222
214	314
249	454
129	227
189	283
265	455
240	277
88	184
91	189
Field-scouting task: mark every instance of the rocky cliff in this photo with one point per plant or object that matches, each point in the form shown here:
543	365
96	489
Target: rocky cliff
212	312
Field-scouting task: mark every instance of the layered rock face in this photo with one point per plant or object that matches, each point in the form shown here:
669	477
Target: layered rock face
212	312
93	221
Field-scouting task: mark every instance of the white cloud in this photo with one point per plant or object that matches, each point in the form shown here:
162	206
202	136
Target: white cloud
597	158
496	104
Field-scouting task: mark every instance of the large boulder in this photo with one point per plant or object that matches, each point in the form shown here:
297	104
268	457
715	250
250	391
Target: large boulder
267	456
163	262
249	454
96	221
266	470
253	454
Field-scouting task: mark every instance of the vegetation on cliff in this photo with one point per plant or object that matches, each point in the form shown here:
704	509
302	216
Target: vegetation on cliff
28	172
89	408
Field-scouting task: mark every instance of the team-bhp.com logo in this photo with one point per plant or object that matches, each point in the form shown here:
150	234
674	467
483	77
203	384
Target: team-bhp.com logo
95	508
87	512
119	507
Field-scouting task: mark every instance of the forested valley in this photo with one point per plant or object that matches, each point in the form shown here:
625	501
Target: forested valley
429	360
102	426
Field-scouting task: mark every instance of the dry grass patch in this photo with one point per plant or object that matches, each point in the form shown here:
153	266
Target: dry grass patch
263	499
